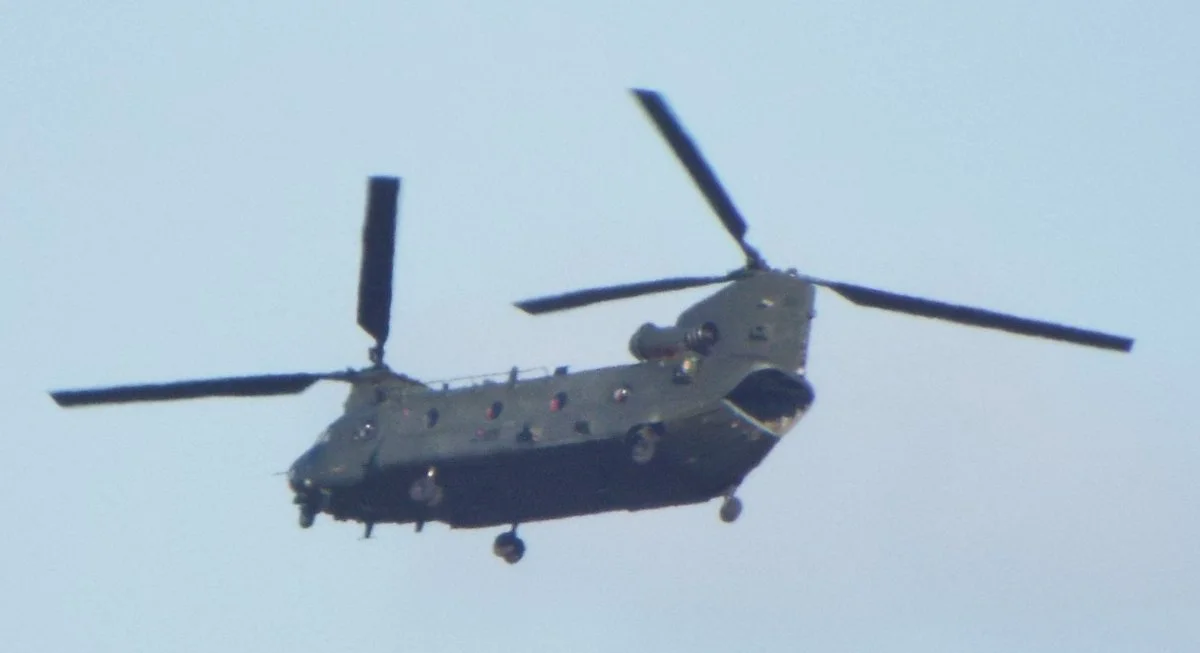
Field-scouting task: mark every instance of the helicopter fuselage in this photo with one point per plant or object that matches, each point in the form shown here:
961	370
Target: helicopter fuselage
685	425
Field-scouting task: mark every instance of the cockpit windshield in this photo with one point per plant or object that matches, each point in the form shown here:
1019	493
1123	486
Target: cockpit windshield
354	427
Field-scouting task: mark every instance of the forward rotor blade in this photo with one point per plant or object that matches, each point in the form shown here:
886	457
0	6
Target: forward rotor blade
237	386
378	257
691	158
976	316
580	298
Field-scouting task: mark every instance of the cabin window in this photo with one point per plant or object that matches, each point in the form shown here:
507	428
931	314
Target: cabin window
487	435
431	418
583	427
558	402
365	432
495	409
687	369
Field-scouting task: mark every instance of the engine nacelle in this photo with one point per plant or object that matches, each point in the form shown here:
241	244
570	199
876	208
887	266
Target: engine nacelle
652	342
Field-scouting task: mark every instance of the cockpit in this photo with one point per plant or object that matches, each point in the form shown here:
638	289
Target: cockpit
353	427
336	458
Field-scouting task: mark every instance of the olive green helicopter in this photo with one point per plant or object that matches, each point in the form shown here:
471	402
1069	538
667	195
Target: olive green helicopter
705	401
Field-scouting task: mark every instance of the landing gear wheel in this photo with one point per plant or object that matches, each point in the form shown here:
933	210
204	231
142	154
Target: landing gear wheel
307	517
731	509
643	451
426	490
518	552
509	547
644	446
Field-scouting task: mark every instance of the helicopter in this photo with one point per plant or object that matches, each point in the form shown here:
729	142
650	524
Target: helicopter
702	405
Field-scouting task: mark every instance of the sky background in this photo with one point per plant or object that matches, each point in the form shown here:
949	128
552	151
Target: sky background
182	187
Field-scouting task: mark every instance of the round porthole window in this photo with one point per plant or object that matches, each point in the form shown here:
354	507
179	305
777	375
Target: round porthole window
558	402
495	409
431	418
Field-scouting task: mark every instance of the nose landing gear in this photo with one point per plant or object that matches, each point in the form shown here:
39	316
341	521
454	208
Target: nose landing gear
310	506
307	516
509	547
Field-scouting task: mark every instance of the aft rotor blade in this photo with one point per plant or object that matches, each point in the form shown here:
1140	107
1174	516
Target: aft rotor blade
580	298
976	316
378	257
702	174
237	386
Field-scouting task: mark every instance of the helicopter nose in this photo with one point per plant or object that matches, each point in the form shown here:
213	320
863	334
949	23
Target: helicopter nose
300	474
321	470
295	480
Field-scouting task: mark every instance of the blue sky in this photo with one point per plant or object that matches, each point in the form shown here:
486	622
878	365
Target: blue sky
182	194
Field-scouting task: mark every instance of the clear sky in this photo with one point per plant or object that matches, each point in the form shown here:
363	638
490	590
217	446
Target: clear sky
181	189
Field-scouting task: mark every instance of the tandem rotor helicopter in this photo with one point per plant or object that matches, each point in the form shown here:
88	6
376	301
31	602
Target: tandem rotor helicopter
705	402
